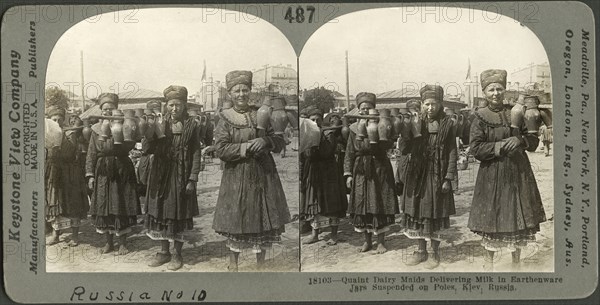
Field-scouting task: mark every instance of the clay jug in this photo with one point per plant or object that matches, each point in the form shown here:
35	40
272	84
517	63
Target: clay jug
139	112
415	122
396	123
384	127
141	122
263	115
116	128
517	114
279	119
361	129
345	128
372	127
130	126
532	117
105	130
546	115
86	132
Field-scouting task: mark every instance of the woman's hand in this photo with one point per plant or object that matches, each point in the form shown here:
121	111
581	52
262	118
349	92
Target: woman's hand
511	144
190	188
446	186
256	145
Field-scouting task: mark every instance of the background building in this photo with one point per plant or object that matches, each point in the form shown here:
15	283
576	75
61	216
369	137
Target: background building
281	79
532	77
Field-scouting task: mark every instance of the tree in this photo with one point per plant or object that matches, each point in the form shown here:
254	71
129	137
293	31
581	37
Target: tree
57	97
320	97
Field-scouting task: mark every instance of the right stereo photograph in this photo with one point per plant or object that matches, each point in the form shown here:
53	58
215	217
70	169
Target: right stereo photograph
425	145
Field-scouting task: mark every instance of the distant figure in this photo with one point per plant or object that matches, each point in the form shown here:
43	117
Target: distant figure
287	135
546	137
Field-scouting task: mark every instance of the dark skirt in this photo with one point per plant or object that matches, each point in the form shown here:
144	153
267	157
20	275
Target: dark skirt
372	223
373	187
65	190
115	203
114	224
324	191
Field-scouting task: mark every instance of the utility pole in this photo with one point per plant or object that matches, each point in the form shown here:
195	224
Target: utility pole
212	94
266	69
82	84
347	84
531	72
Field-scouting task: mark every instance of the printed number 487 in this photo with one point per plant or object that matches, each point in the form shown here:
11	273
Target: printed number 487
300	17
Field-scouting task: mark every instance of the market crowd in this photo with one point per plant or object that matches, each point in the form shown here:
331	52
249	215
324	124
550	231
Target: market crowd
345	174
97	173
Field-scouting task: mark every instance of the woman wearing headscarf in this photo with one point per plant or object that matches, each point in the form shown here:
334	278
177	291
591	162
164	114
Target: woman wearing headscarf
322	190
369	174
171	194
507	208
251	208
427	200
66	197
111	177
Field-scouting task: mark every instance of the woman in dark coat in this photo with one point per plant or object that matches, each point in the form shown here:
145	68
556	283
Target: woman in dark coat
323	191
251	208
111	177
171	200
427	200
507	208
369	174
66	197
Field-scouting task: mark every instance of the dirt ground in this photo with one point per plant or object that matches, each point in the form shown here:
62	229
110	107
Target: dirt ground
206	252
461	252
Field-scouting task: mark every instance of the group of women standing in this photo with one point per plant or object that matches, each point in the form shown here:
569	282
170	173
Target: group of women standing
506	210
251	209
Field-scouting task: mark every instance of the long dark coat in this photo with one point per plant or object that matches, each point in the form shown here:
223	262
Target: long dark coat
373	177
251	200
432	160
323	190
176	161
65	186
114	197
506	198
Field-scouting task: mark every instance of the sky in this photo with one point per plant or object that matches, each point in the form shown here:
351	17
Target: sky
165	46
388	51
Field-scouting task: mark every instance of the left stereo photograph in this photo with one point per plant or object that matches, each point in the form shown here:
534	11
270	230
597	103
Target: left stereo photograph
171	144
